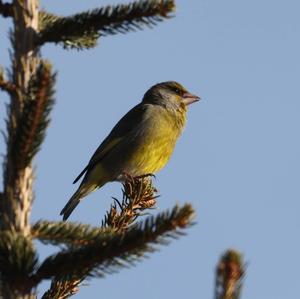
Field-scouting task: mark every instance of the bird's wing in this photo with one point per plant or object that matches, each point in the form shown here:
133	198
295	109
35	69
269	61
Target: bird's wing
122	129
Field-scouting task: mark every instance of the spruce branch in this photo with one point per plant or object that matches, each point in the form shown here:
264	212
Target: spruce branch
18	260
6	9
83	29
229	275
67	233
85	41
32	124
117	250
138	195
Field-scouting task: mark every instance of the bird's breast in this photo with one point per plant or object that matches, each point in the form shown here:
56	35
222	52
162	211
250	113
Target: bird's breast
153	146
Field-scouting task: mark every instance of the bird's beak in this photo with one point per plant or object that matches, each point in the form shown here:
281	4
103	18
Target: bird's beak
189	98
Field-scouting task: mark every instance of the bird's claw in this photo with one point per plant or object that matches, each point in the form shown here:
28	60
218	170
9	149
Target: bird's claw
127	176
146	175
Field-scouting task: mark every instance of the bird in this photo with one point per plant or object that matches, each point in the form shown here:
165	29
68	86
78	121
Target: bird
142	142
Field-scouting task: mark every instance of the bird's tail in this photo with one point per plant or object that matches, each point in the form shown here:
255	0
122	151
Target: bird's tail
75	200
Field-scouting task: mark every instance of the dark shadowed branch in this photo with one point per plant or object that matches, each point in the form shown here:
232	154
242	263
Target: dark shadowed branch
6	9
18	260
83	29
67	233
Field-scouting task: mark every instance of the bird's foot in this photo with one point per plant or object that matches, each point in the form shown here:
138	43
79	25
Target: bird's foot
151	175
138	183
127	176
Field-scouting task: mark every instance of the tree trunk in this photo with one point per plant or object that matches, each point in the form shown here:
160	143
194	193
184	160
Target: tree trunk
18	183
17	194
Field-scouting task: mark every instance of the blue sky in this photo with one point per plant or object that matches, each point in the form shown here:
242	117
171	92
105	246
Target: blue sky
237	161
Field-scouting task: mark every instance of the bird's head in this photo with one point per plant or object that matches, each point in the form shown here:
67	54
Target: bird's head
171	95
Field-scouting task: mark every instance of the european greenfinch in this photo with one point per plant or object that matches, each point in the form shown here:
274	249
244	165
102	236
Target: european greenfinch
142	142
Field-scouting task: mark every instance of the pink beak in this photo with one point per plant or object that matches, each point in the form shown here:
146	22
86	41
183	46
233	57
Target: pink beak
189	98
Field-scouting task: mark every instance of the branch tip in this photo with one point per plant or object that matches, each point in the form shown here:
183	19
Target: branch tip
229	274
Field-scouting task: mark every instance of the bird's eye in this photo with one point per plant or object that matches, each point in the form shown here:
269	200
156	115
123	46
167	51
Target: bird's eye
177	90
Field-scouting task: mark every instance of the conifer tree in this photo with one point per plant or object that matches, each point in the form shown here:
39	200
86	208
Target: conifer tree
30	84
122	239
